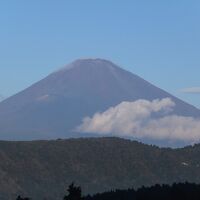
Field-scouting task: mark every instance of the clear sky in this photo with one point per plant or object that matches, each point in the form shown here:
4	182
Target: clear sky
158	40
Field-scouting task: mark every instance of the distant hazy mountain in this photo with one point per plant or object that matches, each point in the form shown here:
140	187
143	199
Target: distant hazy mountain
54	106
45	168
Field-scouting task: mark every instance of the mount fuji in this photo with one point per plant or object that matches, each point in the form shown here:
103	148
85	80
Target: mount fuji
55	106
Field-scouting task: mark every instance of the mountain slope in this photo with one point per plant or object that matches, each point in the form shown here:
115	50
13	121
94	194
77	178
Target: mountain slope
45	168
54	106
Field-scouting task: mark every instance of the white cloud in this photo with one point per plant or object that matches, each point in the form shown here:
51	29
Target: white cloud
194	90
137	119
173	128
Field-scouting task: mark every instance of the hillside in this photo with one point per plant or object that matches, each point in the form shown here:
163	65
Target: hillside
46	167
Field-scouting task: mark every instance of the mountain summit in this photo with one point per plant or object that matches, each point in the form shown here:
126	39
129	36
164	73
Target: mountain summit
54	106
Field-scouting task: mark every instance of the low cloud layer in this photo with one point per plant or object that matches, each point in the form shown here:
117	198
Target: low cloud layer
143	119
193	90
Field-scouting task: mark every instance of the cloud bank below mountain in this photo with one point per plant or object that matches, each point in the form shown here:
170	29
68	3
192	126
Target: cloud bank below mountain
143	119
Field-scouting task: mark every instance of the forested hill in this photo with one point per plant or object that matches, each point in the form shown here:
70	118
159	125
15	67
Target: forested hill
44	168
181	191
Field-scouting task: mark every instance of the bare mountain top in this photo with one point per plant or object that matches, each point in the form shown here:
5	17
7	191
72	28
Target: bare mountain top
88	63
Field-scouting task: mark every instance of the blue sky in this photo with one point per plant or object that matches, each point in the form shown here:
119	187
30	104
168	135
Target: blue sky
158	40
